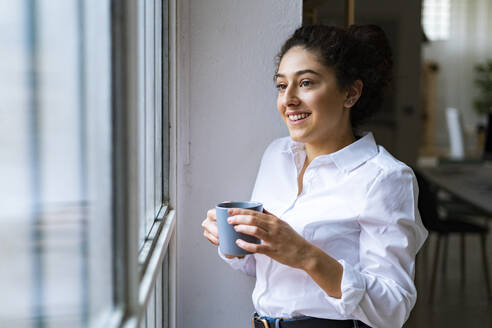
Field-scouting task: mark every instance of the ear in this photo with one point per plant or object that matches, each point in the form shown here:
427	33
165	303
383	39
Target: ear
353	94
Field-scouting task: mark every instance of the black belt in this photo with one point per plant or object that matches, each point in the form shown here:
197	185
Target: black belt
308	322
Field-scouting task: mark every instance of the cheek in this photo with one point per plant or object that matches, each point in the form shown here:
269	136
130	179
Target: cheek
329	104
312	100
280	108
319	99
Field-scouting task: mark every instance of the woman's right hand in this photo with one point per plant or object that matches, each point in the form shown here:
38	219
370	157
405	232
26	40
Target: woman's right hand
210	230
209	225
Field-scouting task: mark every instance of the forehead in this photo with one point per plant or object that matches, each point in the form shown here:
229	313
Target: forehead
298	58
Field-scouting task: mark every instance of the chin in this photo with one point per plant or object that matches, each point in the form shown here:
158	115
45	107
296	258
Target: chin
296	137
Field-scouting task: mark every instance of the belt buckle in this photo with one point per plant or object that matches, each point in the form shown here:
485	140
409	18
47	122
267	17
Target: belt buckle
260	320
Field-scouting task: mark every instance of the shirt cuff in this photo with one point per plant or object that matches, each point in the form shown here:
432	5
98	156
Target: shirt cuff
236	262
353	288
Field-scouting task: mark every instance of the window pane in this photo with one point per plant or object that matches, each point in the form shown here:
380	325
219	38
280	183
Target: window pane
142	121
150	109
55	163
150	112
436	19
164	93
159	106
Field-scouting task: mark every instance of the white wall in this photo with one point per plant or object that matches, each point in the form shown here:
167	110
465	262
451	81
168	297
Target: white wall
226	118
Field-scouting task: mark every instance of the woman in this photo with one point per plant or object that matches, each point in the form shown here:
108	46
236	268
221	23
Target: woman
340	229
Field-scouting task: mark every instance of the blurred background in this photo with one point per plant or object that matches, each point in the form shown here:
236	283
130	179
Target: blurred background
113	114
55	160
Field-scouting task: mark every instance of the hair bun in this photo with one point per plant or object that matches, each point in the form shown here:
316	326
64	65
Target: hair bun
373	46
367	33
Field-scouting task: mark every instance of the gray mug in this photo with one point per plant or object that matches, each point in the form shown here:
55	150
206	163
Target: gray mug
227	234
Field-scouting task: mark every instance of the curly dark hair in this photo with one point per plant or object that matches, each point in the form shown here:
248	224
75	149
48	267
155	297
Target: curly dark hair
360	52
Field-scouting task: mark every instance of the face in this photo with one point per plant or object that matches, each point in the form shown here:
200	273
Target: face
309	99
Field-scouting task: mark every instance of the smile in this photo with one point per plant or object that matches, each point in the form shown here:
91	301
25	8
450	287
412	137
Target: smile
294	119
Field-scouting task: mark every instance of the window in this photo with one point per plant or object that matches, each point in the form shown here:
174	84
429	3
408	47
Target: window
436	19
151	106
86	224
143	218
55	166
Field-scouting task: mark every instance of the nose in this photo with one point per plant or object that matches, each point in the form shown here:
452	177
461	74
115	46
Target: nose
290	97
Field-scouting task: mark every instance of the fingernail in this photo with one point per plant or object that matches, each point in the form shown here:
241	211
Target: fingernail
229	220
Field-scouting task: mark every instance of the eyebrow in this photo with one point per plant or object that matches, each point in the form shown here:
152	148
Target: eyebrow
304	71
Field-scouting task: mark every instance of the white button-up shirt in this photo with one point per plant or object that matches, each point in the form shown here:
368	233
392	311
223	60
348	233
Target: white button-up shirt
359	205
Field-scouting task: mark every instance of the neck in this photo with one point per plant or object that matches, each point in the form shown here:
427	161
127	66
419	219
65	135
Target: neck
328	145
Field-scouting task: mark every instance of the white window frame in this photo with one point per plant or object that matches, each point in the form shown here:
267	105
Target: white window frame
137	287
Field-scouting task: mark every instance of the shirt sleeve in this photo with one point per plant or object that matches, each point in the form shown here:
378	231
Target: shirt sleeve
247	264
380	291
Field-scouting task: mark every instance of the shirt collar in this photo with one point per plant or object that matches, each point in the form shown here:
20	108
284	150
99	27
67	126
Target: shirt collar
347	158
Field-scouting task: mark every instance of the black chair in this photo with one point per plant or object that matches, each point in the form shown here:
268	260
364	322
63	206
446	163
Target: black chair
453	223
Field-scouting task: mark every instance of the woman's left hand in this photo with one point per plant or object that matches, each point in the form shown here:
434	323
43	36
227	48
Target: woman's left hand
279	240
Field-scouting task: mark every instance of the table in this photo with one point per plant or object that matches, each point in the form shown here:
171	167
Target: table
471	183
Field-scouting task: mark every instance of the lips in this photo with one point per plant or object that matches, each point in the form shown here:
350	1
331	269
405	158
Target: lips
297	117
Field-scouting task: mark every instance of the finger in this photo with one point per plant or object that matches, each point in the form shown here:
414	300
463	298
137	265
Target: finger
266	212
211	214
233	256
255	220
241	211
250	247
211	238
210	227
252	231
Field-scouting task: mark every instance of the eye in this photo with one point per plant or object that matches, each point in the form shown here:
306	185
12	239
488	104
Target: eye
281	86
306	83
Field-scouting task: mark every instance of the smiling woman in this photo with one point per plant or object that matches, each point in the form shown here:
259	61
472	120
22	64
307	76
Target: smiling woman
340	226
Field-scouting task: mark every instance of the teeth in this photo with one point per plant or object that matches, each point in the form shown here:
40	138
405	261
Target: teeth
298	117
